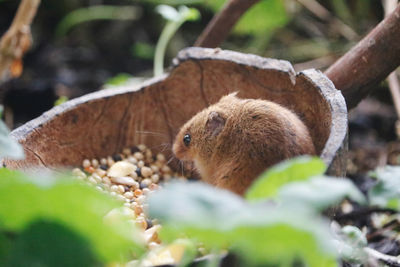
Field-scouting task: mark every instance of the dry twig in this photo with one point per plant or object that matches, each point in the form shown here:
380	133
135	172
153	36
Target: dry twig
394	85
17	40
220	26
369	62
322	13
318	63
386	259
355	73
362	212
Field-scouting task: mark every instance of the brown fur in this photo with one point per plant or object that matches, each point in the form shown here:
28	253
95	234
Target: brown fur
235	140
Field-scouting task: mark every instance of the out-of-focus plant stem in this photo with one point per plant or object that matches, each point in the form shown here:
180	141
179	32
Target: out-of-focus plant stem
393	81
166	35
175	18
17	40
95	13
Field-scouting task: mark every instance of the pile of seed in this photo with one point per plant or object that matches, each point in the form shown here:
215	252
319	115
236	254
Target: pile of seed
130	176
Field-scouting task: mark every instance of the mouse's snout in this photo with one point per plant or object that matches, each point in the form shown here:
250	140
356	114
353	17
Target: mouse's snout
179	150
175	149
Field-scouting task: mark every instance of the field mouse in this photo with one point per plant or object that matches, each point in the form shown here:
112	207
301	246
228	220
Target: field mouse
235	140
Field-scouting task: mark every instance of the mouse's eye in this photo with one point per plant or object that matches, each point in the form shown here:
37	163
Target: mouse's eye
186	139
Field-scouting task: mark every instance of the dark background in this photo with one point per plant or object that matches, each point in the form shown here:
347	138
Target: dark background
93	52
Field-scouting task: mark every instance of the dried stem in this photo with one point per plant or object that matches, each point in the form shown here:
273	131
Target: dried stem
17	40
386	259
362	212
318	63
394	86
369	62
389	6
322	13
220	26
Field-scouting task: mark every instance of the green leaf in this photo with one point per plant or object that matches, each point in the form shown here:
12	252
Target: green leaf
8	146
343	11
386	192
189	14
97	12
182	14
259	233
175	20
190	251
5	245
174	2
215	5
263	18
350	242
77	206
143	50
282	242
62	99
50	244
355	235
320	193
168	12
297	169
195	203
119	79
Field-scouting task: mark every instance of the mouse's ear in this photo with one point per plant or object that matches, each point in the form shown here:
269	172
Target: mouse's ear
215	123
229	97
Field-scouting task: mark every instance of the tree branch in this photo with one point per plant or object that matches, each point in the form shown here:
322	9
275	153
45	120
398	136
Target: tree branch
369	62
394	85
220	26
321	12
17	40
386	259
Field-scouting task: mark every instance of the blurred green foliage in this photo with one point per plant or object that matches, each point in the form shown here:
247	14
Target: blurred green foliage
143	50
257	233
285	224
319	193
47	220
119	79
172	2
44	243
262	18
350	243
51	220
96	13
268	184
62	99
271	28
175	18
386	192
285	229
8	146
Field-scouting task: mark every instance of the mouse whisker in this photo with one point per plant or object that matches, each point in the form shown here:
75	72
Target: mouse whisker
182	167
157	146
152	133
166	146
170	159
163	146
193	170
